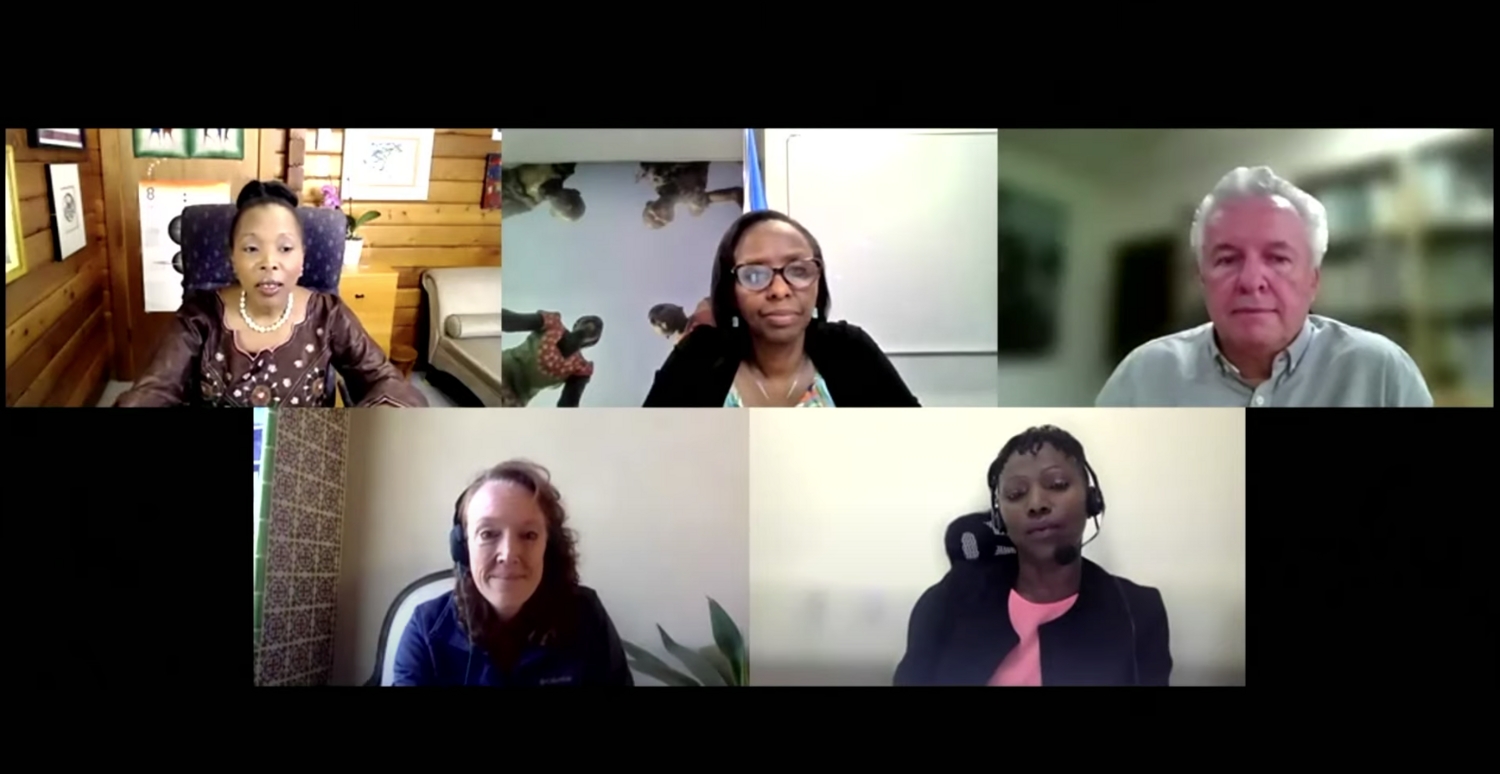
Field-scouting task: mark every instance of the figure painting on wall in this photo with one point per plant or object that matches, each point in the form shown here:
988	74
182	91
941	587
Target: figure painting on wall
551	356
491	199
216	143
161	143
685	184
1032	231
528	186
673	323
608	265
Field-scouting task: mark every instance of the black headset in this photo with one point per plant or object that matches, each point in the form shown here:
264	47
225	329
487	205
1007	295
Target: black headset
458	542
1093	505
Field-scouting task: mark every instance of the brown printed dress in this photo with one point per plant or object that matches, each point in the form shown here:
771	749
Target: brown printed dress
201	364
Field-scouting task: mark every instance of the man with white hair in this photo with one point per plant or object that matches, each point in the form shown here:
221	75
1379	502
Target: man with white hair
1259	241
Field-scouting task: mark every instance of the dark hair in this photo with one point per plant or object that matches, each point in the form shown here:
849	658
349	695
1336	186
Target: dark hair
671	316
542	613
1031	441
259	193
568	202
721	286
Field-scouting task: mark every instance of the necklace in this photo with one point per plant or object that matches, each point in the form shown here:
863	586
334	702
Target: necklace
286	314
789	391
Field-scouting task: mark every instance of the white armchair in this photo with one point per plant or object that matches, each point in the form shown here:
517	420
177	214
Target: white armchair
425	588
464	340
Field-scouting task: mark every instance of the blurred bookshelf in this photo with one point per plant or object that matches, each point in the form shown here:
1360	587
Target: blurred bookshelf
1411	256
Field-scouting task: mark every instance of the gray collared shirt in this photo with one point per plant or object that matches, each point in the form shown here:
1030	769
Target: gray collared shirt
1329	364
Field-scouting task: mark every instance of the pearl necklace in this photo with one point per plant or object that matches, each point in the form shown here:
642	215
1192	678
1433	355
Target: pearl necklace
286	314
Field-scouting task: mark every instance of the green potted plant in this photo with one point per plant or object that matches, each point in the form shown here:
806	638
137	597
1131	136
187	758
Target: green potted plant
725	663
353	242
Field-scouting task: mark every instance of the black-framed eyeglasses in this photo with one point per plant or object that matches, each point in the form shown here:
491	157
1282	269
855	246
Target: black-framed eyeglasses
799	274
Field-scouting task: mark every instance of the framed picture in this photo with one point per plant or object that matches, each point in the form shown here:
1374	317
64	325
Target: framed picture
161	143
491	198
495	135
15	245
387	164
55	138
67	209
216	143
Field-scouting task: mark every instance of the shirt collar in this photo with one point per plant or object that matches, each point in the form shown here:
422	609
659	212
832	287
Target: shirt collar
1290	357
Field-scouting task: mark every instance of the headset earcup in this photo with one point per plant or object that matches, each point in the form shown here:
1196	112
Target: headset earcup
1093	503
458	548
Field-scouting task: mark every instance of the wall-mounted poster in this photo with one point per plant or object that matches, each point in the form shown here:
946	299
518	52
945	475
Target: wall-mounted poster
67	209
161	143
162	202
15	248
387	164
492	183
216	143
55	138
495	135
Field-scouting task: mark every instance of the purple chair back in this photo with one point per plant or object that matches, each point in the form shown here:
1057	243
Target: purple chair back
205	247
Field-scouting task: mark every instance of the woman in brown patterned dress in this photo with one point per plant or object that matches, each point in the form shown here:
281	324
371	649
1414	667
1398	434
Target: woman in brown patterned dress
266	341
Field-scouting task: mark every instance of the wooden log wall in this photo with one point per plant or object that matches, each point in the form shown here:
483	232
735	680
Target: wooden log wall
448	229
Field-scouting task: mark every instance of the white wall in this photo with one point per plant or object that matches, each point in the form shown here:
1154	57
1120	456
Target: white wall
968	380
549	146
840	550
658	499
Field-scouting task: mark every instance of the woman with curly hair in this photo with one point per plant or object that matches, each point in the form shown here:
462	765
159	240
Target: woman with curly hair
517	614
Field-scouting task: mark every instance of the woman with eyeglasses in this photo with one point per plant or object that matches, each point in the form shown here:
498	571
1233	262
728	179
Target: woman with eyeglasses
772	343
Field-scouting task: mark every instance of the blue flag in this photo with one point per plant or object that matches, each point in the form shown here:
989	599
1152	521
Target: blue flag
755	186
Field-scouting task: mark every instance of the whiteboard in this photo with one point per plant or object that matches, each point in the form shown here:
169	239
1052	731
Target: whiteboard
910	231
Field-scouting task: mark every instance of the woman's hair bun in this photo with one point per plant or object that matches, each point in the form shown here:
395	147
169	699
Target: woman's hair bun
257	191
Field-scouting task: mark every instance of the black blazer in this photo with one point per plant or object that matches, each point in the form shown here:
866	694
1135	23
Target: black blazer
701	369
960	631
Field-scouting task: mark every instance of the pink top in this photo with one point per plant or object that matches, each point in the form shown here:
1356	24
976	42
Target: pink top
1023	665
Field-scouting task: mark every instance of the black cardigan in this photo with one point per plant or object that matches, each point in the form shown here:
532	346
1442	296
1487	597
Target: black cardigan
960	631
701	369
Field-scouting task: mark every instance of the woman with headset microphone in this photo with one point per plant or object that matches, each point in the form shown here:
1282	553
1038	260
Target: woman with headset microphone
517	614
1034	612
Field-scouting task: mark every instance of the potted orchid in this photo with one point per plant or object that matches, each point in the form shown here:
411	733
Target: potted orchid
353	242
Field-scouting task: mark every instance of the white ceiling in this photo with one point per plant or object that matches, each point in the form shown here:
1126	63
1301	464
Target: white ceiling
549	146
